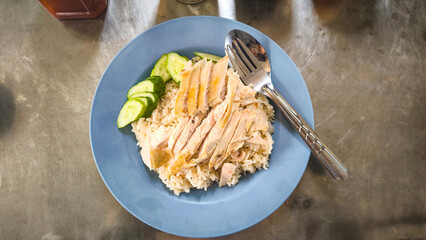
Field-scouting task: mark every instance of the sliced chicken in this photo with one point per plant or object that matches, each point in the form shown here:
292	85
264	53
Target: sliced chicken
261	122
189	163
238	156
247	101
163	140
198	137
251	116
187	65
187	132
177	132
176	165
203	104
239	136
159	157
243	91
194	84
219	154
182	95
257	139
145	153
228	170
214	135
217	84
221	115
156	154
231	89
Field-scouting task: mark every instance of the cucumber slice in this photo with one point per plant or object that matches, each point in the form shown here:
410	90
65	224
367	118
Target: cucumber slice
160	86
175	64
208	56
160	68
152	84
153	96
150	106
131	111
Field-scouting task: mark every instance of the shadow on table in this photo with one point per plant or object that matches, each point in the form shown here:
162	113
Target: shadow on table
315	166
348	16
87	29
303	217
7	109
62	48
132	228
273	17
118	224
170	9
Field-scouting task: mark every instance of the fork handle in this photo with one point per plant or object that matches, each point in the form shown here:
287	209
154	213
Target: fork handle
320	150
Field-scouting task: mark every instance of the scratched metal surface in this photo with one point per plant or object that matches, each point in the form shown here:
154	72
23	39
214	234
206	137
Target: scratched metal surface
363	62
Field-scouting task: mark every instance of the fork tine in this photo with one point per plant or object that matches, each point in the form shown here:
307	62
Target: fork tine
233	63
243	56
249	54
239	62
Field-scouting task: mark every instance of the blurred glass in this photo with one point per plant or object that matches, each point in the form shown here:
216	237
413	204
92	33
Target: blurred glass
74	9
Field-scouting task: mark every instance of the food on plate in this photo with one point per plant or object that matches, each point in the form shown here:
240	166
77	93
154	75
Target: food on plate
153	96
160	68
153	84
142	99
131	111
207	56
206	127
175	64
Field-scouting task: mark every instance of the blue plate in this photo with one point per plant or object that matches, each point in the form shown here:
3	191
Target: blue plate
218	211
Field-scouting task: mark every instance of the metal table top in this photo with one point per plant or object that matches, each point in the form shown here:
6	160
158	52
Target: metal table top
364	63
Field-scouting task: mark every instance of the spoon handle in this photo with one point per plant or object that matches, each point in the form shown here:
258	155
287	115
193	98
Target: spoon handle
320	150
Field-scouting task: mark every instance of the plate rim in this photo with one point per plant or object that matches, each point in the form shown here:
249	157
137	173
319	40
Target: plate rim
114	59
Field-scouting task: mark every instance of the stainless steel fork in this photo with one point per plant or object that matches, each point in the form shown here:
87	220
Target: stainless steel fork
252	72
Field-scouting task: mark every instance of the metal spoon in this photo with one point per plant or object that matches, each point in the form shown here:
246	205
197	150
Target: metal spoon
250	60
